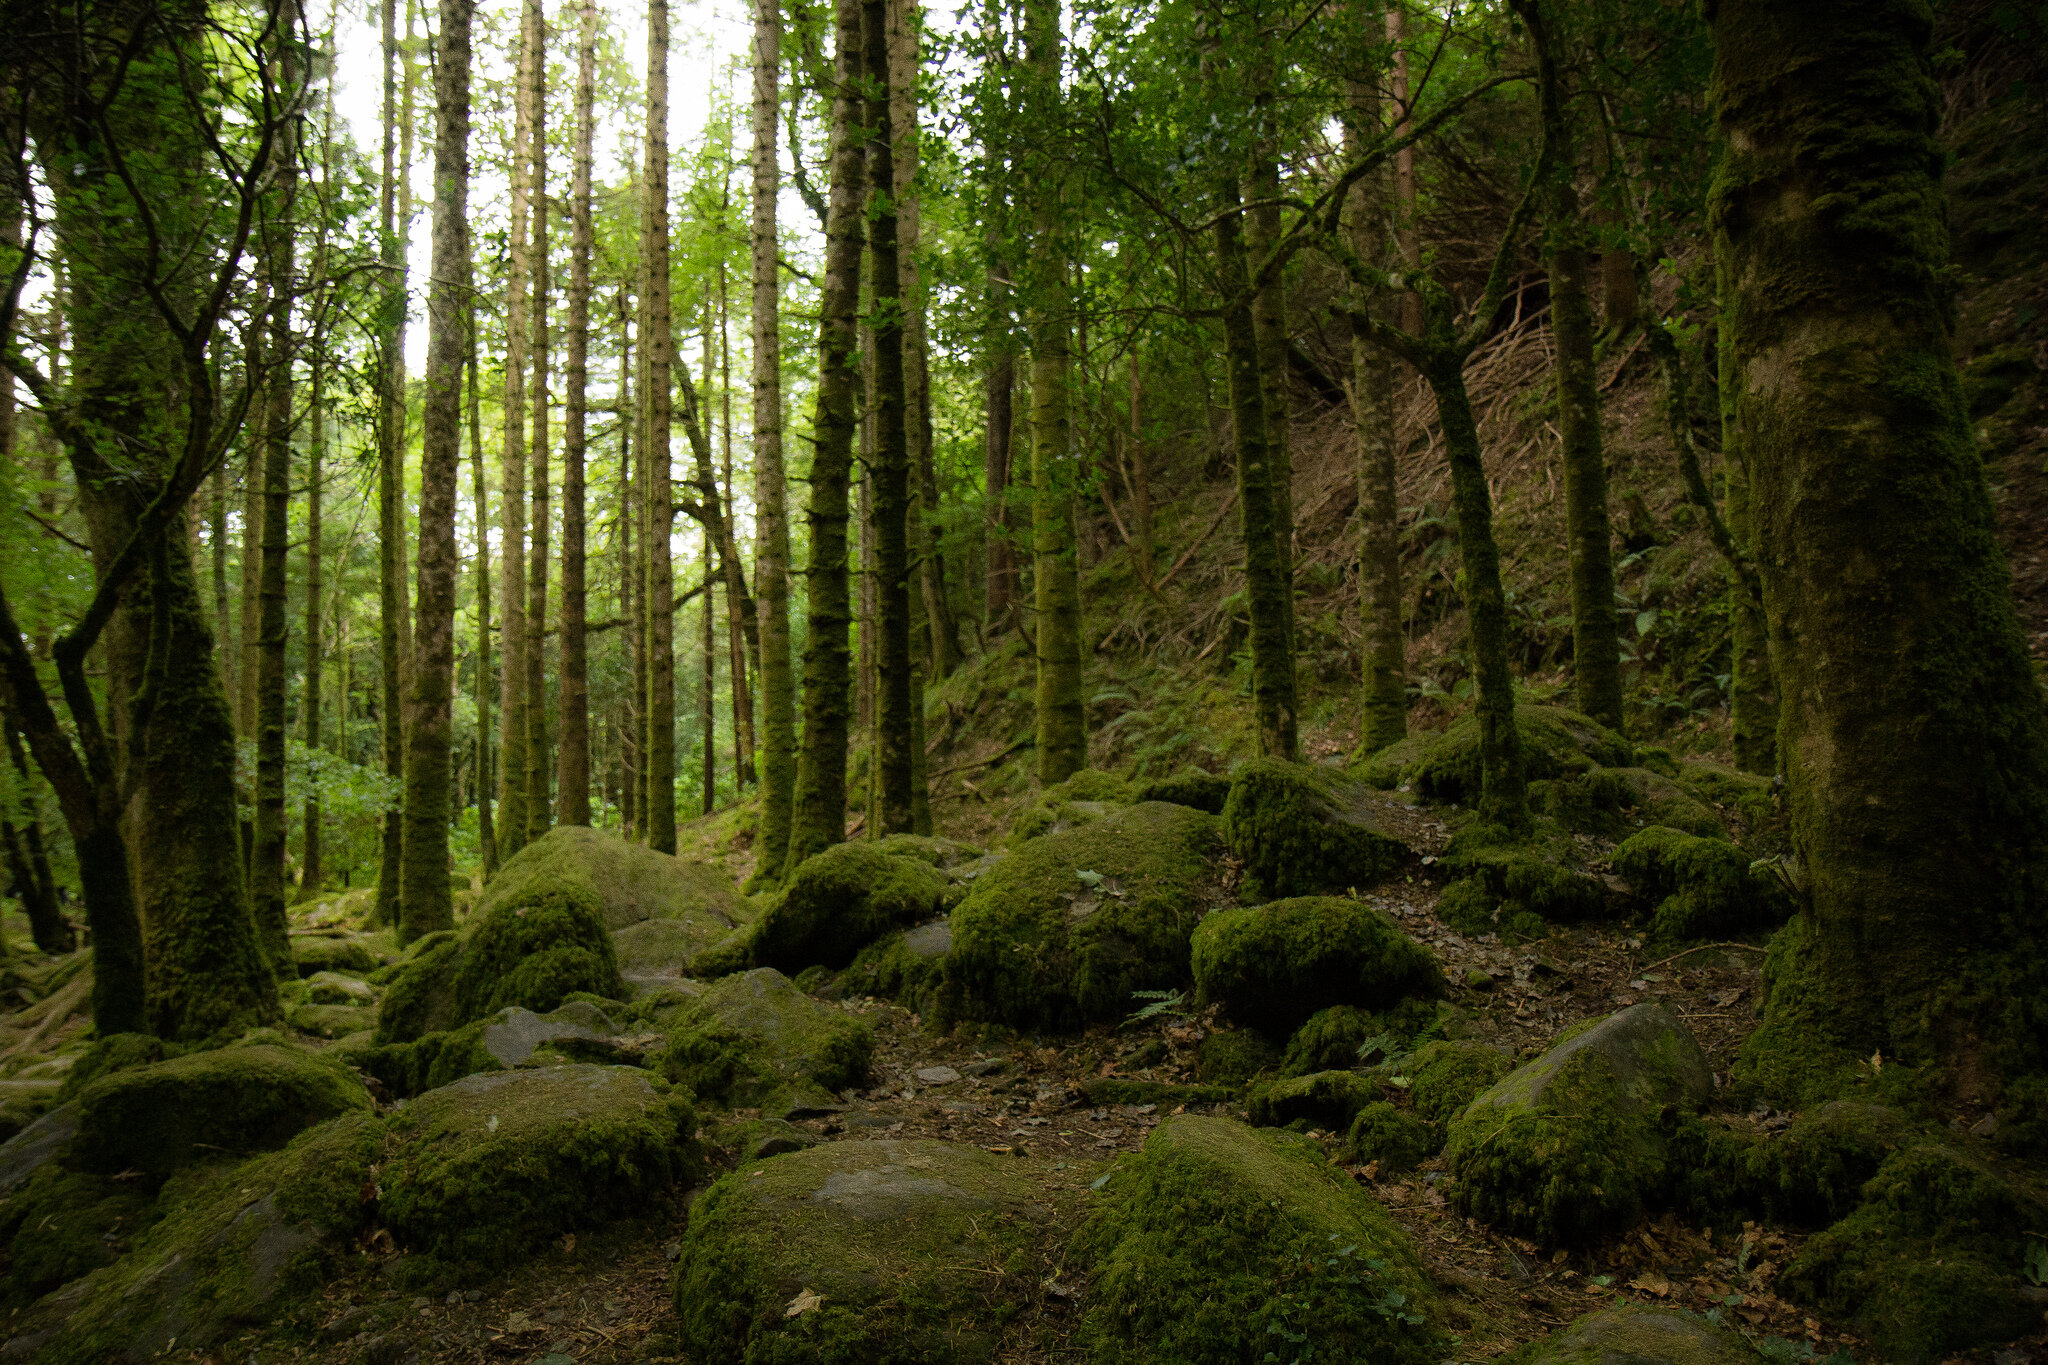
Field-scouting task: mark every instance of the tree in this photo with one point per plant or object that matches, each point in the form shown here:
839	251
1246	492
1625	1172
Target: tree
1911	726
486	829
513	796
657	341
425	902
533	660
573	778
395	227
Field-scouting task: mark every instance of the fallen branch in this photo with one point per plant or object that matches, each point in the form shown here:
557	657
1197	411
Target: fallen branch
61	1005
1201	539
1025	743
1745	947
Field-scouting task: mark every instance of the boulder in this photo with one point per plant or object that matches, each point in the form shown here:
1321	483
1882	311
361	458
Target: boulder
837	902
328	952
1573	1145
754	1035
1443	1077
1061	932
1300	830
1217	1242
1085	797
1701	888
863	1251
239	1099
332	1021
1325	1099
1272	966
1394	1138
493	1166
1615	802
1233	1056
36	1146
507	1039
1813	1172
115	1052
626	882
1639	1334
64	1224
244	1247
1512	882
1555	743
1330	1040
1189	787
906	967
332	988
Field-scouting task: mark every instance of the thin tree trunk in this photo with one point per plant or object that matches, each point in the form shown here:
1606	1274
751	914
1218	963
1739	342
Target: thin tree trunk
538	807
1269	332
630	728
391	464
1407	237
1000	589
311	871
425	900
513	799
657	344
486	827
1142	544
223	622
256	445
818	818
735	629
267	878
707	689
771	513
53	933
573	777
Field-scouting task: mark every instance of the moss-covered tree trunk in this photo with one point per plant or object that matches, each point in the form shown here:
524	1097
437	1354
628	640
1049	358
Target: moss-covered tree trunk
513	817
1752	689
1269	326
391	591
777	710
999	589
572	779
539	529
52	932
425	901
1911	725
480	514
657	494
818	818
266	863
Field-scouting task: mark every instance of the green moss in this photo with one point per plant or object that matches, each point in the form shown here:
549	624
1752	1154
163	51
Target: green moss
1614	802
913	1252
1395	1138
625	882
1384	768
1555	743
1702	888
1444	1077
332	1021
537	953
1814	1171
1272	966
235	1100
1540	874
64	1224
328	953
117	1052
1036	944
1639	1332
1217	1243
1300	830
1329	1040
1929	1263
754	1033
1203	791
1084	797
1324	1099
1232	1056
420	996
904	967
1106	1090
493	1166
1573	1145
836	902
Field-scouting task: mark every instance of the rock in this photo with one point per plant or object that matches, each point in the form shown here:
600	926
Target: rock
1814	1171
1061	932
1215	1239
1232	1056
492	1166
1555	743
937	1075
248	1246
1395	1138
1639	1334
1702	888
1272	966
1615	802
1165	1096
905	967
331	1021
1301	831
116	1052
1572	1145
1443	1077
1189	787
332	988
1512	882
759	1139
660	952
837	902
862	1250
35	1146
627	883
752	1034
238	1099
328	952
1082	799
64	1224
1339	1037
512	1036
1326	1099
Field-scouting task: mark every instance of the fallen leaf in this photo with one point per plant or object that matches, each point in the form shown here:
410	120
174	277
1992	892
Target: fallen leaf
803	1303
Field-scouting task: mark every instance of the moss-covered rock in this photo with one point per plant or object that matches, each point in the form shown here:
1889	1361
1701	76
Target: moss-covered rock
1751	797
338	988
852	1252
1640	1334
1395	1138
837	902
1701	888
1444	1077
906	967
236	1100
1217	1243
115	1052
1272	966
1384	768
753	1034
1330	1040
1555	743
1300	830
1615	802
1233	1056
250	1245
64	1224
493	1166
330	952
1930	1262
1324	1099
1085	797
1108	1090
1814	1171
510	1038
1511	882
332	1021
1575	1144
1061	932
1203	791
625	882
420	995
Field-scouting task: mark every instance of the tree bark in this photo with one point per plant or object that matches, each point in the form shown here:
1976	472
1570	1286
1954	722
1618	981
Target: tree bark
538	807
999	592
52	932
1269	331
707	689
572	780
1910	723
513	798
818	817
1752	687
739	606
631	729
267	879
486	827
391	594
425	900
657	342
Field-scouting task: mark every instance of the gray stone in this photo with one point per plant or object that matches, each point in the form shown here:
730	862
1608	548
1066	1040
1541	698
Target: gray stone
1652	1057
928	941
518	1032
937	1075
1640	1334
22	1155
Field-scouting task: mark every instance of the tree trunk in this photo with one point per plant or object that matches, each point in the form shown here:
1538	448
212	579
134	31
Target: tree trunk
1269	331
1407	237
486	828
1910	723
1752	689
707	689
657	345
631	728
771	514
425	902
1062	723
391	465
573	777
538	807
52	932
818	818
1143	542
267	879
311	873
1000	589
738	605
513	799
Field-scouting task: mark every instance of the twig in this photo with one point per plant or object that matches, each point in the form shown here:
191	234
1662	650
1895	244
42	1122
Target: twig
1201	539
61	1006
1746	947
1024	743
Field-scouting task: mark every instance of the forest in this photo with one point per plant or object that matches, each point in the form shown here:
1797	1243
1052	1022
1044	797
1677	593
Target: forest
1155	682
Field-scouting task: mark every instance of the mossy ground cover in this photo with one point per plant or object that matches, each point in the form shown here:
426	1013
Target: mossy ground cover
1700	887
627	882
1086	796
1272	966
837	902
1300	830
753	1034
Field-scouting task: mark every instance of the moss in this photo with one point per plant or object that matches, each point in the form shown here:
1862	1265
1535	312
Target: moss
1395	1138
1273	966
1814	1171
1614	802
1384	769
1232	1056
1037	944
626	882
1329	1040
332	1021
754	1033
537	953
1574	1145
1326	1099
1929	1263
1444	1077
1540	874
1081	798
913	1251
1216	1243
904	967
493	1166
1639	1332
1555	743
836	902
1299	830
1192	787
326	953
429	1061
420	997
64	1224
237	1100
1703	888
1106	1090
117	1052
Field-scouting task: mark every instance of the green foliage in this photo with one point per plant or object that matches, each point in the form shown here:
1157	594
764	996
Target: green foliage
1272	966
